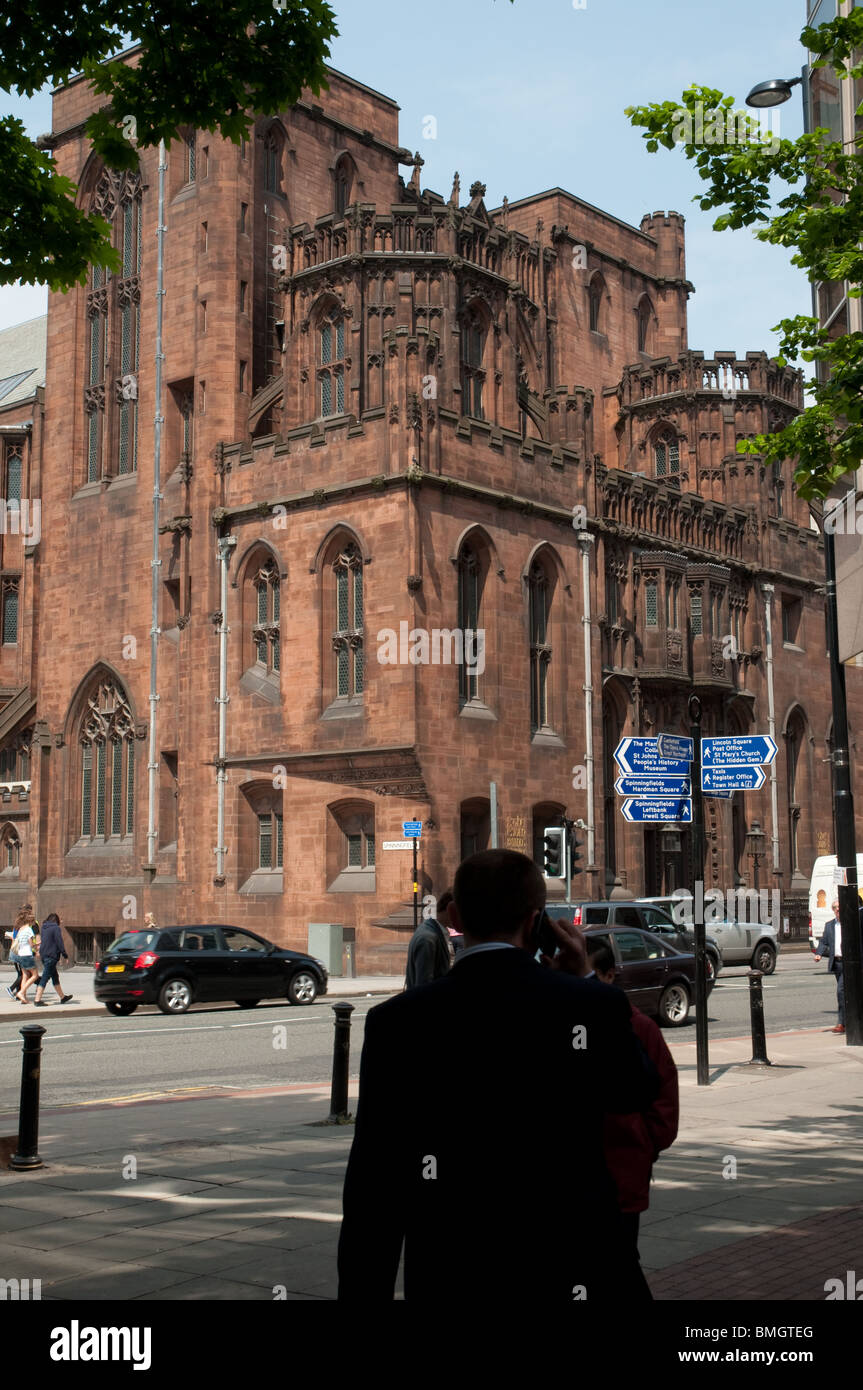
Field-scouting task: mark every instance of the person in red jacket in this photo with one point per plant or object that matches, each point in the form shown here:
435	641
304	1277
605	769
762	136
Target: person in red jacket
633	1142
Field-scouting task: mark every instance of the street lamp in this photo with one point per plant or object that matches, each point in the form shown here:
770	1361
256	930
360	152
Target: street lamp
755	841
774	92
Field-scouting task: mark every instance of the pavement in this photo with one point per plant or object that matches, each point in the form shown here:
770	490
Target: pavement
79	983
225	1193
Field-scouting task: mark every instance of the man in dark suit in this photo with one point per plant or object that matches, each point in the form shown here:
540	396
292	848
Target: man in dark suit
478	1140
830	946
430	953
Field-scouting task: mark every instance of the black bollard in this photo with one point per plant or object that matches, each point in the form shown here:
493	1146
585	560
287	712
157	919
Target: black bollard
28	1114
756	1010
341	1058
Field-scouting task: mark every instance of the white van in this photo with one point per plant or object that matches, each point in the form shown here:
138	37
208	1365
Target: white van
822	890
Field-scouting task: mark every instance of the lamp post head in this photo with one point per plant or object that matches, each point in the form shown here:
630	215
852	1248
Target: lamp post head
772	93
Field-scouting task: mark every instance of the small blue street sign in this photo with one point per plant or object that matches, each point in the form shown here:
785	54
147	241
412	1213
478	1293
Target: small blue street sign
653	786
725	796
732	779
640	757
659	808
749	750
412	829
674	748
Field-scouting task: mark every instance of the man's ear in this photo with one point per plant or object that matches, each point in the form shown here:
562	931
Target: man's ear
455	918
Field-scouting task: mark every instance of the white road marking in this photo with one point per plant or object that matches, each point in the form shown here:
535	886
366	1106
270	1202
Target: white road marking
194	1028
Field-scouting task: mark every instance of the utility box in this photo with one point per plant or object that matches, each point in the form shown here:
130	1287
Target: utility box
350	940
326	942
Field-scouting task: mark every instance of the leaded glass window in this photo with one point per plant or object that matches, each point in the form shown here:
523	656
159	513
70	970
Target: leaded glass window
651	609
107	790
472	375
265	632
695	612
348	634
332	367
10	612
667	456
539	594
14	472
270	840
469	593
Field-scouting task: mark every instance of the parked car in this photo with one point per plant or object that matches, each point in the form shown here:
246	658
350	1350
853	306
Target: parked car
738	942
647	915
175	967
658	979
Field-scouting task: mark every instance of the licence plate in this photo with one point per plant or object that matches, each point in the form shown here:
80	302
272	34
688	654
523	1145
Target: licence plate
112	969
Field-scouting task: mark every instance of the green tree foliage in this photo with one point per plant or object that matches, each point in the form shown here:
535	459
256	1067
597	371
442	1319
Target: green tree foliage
208	66
820	218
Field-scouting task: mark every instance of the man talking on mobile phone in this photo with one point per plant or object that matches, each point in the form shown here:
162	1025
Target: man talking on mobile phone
479	1121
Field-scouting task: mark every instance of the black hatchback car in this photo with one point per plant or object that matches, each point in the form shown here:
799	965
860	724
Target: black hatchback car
175	967
655	977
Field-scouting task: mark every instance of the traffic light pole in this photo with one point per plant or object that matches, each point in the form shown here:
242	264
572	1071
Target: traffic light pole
701	1043
416	886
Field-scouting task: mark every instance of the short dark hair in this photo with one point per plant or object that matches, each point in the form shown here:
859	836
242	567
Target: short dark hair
444	901
601	957
495	891
52	917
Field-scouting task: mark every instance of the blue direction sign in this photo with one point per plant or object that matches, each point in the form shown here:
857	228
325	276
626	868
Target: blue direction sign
719	795
640	757
661	808
653	786
412	829
749	750
732	779
675	749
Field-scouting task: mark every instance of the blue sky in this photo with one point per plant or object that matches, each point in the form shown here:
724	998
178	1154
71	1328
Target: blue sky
531	95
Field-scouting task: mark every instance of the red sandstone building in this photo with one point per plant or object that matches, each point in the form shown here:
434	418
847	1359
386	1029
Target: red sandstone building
384	406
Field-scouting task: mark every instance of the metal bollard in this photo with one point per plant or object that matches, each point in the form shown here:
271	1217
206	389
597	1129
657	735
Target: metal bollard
341	1058
28	1114
756	1010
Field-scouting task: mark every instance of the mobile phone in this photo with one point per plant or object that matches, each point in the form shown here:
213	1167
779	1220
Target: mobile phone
546	938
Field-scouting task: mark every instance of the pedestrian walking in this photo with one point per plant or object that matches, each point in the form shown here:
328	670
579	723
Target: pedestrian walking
430	951
26	946
830	946
478	1094
633	1142
25	915
51	950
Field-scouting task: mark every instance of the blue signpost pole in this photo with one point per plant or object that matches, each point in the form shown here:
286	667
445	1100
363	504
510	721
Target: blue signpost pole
701	1044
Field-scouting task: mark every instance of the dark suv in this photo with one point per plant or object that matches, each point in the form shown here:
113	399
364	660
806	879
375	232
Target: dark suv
175	967
637	914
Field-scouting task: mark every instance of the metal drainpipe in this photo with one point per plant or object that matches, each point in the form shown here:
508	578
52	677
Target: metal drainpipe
226	545
767	591
156	562
585	540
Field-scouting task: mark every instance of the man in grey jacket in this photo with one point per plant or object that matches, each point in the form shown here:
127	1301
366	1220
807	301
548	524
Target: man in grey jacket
430	953
51	948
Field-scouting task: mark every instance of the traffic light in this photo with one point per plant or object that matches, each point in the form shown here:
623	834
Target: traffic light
575	846
553	865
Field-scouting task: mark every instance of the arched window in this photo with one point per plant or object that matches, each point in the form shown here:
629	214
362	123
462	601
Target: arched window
348	633
344	178
666	455
470	583
107	740
10	852
331	373
113	315
273	147
10	610
265	632
473	335
190	157
14	473
539	601
644	317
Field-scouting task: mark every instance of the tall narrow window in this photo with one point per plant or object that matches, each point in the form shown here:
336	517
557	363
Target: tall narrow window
695	612
666	452
643	329
348	634
107	787
539	591
10	612
469	595
270	840
672	589
273	162
472	374
332	368
343	180
14	472
651	607
265	633
191	159
595	305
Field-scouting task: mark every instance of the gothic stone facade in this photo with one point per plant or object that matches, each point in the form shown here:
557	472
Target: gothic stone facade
383	407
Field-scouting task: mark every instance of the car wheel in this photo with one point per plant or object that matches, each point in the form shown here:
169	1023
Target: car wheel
247	1003
175	996
764	958
674	1005
710	967
303	988
115	1007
